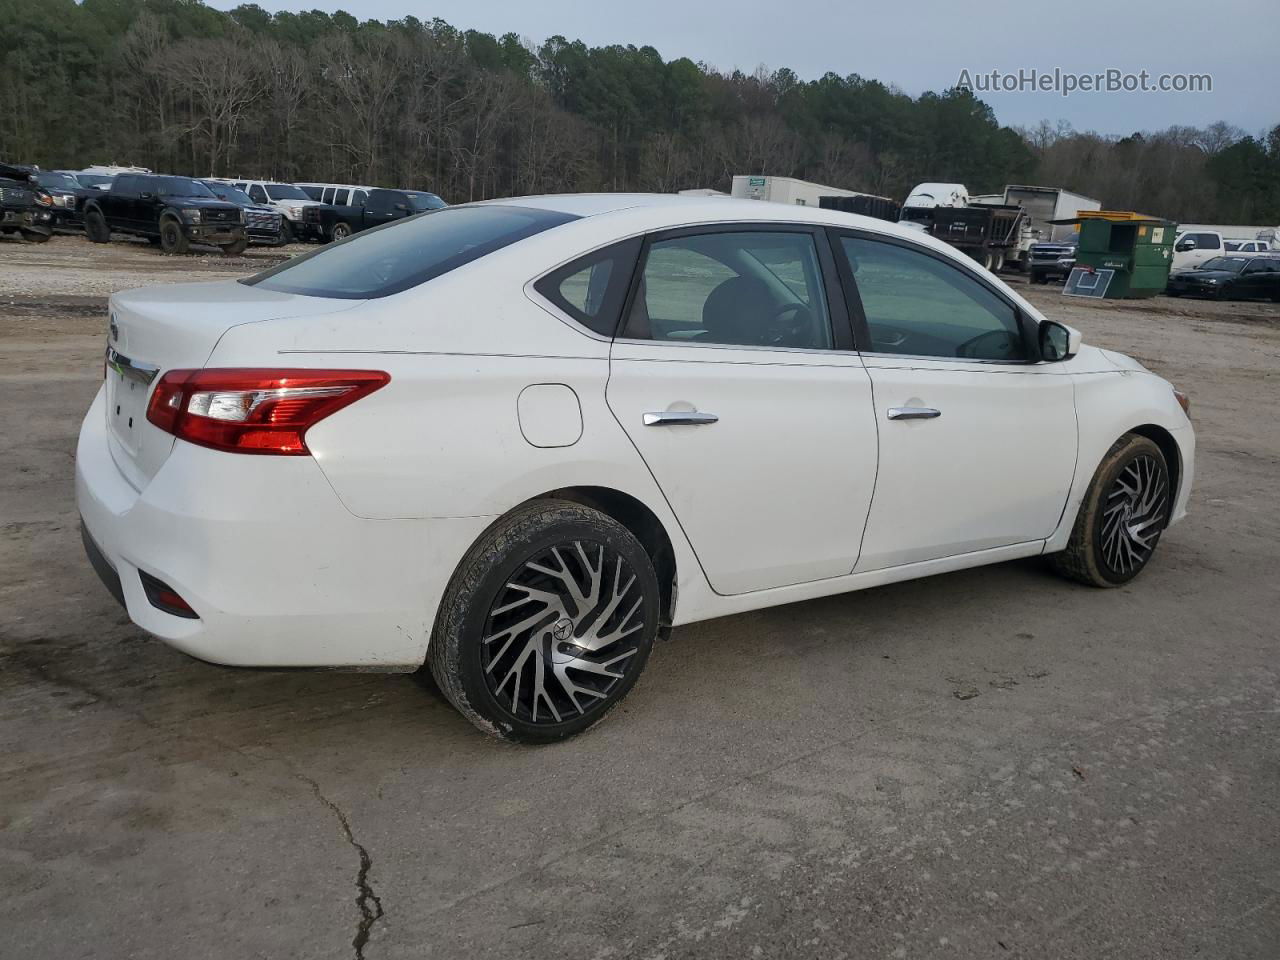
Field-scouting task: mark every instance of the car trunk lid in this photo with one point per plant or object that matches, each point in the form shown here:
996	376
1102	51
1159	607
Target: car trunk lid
154	330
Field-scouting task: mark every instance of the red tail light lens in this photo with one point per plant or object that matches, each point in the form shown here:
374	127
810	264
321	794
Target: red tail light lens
247	410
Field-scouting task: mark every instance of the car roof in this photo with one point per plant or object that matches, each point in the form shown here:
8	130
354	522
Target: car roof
679	210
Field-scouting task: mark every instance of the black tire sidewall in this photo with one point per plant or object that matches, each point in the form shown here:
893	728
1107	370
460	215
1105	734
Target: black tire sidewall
340	232
1137	447
465	622
171	237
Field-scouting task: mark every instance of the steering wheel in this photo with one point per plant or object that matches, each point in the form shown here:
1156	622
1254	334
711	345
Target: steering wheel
788	333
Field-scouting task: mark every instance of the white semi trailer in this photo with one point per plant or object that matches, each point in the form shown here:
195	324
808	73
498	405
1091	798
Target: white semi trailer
1046	204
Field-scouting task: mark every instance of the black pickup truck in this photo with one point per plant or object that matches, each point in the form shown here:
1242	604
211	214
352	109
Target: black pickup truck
171	211
25	208
341	220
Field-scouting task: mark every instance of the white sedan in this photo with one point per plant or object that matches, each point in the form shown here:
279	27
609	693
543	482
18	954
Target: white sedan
518	441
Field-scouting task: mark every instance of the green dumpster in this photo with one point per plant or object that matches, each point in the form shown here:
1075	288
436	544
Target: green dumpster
1121	256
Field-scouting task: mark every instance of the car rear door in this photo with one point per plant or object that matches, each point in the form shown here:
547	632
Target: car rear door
977	443
747	403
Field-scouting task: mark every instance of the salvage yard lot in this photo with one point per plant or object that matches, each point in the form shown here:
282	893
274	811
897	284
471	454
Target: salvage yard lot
990	763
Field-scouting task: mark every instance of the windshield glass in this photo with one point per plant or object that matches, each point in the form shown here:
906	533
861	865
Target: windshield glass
285	191
94	179
224	191
424	201
182	187
1233	264
58	181
406	253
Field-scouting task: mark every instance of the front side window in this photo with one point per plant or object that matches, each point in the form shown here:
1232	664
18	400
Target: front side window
919	305
406	253
750	288
593	288
1206	241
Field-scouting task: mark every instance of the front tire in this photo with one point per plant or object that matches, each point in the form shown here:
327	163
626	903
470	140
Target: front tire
1125	511
95	227
172	240
547	623
340	231
237	248
35	236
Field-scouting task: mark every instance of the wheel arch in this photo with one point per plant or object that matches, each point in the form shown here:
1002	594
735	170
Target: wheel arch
636	516
1163	439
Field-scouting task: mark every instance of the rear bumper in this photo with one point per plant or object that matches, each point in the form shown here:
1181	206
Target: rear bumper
277	570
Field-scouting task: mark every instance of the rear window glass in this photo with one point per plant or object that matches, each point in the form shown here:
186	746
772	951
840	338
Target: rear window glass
400	255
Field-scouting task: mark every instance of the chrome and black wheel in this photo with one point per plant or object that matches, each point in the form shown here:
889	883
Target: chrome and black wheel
547	623
1123	515
340	231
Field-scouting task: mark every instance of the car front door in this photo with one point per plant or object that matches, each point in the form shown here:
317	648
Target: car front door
1257	279
747	404
977	441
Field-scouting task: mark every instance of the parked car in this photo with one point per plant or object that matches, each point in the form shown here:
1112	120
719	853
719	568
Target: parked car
1246	246
1234	277
519	440
301	213
25	207
92	181
171	211
1192	249
328	192
1050	261
360	211
68	196
263	224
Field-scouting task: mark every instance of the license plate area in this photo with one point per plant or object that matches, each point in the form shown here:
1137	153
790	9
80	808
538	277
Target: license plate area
126	408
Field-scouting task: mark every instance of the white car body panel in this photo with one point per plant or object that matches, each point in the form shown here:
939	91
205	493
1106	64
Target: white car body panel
802	489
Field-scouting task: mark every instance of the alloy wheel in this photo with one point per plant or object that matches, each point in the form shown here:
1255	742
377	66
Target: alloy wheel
563	633
1134	515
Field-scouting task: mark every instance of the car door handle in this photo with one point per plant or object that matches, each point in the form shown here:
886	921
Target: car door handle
913	413
672	418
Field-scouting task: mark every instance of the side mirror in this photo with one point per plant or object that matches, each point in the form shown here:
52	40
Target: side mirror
145	195
1185	245
402	206
1058	341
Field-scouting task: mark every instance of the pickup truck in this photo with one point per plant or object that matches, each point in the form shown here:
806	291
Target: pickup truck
340	220
171	211
25	207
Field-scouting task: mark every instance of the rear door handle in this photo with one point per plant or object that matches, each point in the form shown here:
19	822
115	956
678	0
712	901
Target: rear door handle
672	418
913	413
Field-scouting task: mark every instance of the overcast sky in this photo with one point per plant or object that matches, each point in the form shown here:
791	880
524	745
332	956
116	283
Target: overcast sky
923	45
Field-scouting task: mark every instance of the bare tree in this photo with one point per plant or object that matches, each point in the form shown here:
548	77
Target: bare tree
222	79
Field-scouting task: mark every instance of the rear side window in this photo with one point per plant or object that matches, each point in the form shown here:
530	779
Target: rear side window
593	288
406	253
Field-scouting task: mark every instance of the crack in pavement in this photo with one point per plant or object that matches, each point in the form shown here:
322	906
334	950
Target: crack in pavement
368	902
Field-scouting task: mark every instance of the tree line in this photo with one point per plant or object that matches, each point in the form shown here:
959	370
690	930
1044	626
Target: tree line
182	88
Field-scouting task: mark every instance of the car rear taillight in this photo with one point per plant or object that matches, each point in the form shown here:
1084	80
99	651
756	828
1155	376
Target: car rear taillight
247	410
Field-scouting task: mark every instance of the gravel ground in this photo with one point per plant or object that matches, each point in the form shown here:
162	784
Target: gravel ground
986	764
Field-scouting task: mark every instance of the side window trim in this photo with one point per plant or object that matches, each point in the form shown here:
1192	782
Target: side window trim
617	296
842	333
858	316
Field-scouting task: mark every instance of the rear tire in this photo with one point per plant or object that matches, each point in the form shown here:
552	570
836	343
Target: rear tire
1124	512
546	624
95	227
172	240
998	262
